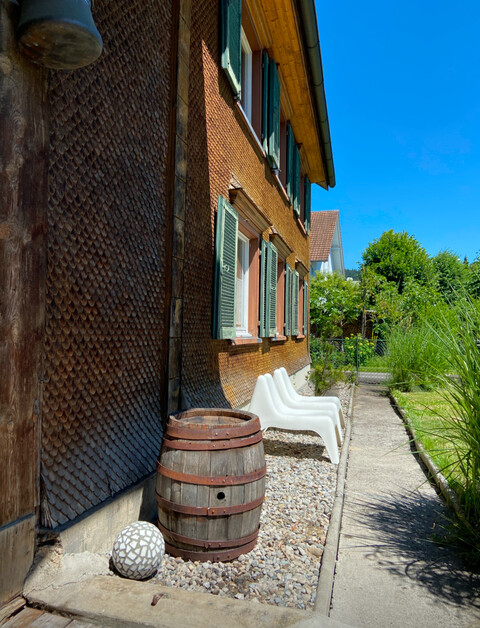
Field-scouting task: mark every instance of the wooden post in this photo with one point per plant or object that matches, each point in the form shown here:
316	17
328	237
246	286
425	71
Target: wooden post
23	203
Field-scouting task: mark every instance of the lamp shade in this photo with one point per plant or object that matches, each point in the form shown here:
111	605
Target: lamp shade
59	34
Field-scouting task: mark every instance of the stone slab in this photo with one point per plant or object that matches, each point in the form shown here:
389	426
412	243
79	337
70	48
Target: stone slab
113	601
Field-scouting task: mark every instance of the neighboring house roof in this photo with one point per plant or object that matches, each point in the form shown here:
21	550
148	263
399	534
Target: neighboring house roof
322	230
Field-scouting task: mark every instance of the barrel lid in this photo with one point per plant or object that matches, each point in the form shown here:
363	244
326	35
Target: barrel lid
212	424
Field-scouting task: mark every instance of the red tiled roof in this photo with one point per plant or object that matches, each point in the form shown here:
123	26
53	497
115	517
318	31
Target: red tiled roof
322	229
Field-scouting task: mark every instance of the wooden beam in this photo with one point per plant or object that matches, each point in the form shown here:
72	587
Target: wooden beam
23	227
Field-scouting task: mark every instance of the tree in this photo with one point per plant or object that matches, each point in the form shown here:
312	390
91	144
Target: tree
353	273
334	301
450	275
398	257
473	278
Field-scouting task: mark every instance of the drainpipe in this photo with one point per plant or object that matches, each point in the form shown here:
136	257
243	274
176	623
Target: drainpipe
308	20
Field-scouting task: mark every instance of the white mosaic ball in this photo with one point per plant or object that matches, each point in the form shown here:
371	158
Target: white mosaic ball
138	550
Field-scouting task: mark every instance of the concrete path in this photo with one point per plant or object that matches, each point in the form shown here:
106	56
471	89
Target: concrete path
389	572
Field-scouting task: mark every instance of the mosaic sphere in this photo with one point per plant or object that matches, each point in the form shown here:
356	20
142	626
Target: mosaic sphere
138	550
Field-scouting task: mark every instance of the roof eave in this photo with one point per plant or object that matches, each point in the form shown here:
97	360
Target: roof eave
309	25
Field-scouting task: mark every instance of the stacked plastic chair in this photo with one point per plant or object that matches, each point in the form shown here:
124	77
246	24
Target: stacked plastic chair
267	404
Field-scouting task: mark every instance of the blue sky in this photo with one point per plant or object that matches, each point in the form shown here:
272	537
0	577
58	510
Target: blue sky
402	82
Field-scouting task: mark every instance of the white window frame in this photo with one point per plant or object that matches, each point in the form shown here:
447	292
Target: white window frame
242	295
246	77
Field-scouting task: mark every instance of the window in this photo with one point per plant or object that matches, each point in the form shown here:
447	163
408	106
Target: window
293	173
288	301
246	76
306	306
246	68
271	112
301	305
280	297
245	283
241	310
295	301
307	203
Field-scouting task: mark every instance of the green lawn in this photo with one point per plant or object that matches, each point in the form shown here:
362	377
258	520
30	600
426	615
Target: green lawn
434	433
377	364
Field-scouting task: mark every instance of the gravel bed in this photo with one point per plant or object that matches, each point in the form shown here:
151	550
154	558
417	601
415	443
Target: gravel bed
283	568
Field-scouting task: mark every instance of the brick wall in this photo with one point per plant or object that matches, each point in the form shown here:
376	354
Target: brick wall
220	147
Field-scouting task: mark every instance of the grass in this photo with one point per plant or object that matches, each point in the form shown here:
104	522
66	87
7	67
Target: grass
424	409
376	364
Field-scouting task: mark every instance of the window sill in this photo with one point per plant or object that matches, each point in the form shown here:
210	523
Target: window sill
281	188
301	226
251	130
278	339
252	340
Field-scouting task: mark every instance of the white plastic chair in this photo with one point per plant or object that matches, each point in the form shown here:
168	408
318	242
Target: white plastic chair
321	407
296	397
267	405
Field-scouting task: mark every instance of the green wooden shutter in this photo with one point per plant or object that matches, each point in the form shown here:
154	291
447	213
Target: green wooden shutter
265	65
288	300
226	242
272	290
273	152
308	203
306	306
290	162
295	289
297	178
231	48
263	289
268	290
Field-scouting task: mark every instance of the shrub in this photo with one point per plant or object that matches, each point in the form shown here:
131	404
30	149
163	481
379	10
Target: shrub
325	369
358	350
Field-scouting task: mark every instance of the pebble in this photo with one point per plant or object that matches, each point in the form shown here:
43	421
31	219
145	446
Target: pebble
283	568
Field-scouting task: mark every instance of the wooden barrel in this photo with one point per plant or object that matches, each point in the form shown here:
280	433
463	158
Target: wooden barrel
211	484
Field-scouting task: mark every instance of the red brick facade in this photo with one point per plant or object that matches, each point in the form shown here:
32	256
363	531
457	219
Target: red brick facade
221	149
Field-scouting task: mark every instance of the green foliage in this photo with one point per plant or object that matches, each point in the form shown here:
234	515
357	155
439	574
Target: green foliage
460	341
450	275
325	370
333	302
414	357
353	273
387	304
358	350
473	279
398	257
417	300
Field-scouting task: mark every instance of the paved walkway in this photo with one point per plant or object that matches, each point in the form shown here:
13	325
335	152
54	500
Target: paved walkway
389	572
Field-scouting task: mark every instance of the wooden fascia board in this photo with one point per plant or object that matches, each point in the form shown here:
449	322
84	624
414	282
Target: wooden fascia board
261	24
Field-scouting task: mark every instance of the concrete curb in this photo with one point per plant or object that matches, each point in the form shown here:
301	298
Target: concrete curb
435	473
329	558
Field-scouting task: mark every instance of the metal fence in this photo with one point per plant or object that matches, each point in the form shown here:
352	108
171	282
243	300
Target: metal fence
365	356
